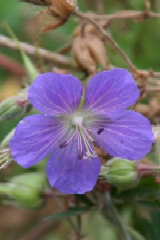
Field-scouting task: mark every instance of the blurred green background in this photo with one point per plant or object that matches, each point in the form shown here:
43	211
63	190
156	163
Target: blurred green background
141	42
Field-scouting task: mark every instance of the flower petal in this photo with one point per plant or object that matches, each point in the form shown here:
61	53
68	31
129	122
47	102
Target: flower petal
69	174
55	94
35	137
110	91
126	134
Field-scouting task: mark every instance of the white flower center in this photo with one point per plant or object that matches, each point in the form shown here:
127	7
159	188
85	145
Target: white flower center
77	120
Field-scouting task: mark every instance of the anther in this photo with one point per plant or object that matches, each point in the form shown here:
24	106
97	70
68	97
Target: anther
96	144
80	155
63	145
100	130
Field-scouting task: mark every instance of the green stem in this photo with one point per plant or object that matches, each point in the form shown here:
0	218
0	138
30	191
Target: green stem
110	213
81	103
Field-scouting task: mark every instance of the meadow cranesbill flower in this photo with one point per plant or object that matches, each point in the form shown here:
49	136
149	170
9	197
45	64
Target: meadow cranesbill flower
73	124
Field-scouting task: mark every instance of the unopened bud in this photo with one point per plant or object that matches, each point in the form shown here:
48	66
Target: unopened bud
14	107
120	172
25	190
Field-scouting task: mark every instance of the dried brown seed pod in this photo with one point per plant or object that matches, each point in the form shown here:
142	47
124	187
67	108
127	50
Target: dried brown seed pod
97	50
82	55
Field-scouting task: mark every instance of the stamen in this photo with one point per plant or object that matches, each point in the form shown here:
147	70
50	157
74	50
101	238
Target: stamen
90	152
86	133
65	143
100	130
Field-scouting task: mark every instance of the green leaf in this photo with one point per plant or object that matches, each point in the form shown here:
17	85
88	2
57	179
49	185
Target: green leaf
136	235
84	199
69	213
151	225
149	204
146	188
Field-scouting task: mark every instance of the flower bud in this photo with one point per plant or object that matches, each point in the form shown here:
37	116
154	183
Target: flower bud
120	172
14	107
25	190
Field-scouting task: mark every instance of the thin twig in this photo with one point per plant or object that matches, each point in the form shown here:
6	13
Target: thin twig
129	14
153	89
126	15
56	58
12	66
65	49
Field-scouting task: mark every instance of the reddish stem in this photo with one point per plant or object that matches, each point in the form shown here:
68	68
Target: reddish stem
12	66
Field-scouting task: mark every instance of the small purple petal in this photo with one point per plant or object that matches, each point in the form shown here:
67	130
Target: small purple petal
35	137
126	134
69	174
55	94
110	91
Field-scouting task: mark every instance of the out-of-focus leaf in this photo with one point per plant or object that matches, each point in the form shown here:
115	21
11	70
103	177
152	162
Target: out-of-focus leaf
69	213
152	226
136	235
149	204
84	199
146	188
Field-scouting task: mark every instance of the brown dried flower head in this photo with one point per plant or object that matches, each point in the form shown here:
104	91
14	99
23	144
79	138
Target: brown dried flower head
60	10
64	7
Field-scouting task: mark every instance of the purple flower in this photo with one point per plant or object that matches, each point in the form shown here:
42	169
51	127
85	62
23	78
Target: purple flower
72	125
